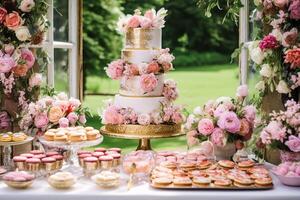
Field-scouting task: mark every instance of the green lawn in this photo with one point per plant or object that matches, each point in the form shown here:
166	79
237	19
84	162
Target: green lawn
196	86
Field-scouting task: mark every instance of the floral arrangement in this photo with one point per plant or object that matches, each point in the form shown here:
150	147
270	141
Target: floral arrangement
22	23
225	120
276	53
169	114
282	130
161	63
52	112
151	19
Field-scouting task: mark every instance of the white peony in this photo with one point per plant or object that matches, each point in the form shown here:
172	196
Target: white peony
277	33
122	23
282	87
22	33
266	71
62	96
198	110
165	58
26	5
260	86
257	55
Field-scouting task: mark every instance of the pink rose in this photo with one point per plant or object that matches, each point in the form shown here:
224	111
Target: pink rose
82	119
26	5
145	22
220	110
292	56
153	68
115	69
293	143
245	127
9	48
28	57
41	120
170	90
54	114
268	42
3	13
165	58
20	70
150	14
205	126
13	20
294	9
250	113
167	66
144	119
134	22
229	122
6	64
73	118
290	37
35	80
217	137
63	122
148	82
280	3
242	91
112	116
131	70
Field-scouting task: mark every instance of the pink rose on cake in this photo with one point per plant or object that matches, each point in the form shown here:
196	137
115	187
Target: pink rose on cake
153	67
41	120
205	126
145	22
144	119
177	117
133	22
148	82
165	56
63	122
112	116
156	118
131	70
229	122
170	90
115	69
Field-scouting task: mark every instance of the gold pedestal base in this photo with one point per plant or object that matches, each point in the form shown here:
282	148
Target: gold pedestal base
144	144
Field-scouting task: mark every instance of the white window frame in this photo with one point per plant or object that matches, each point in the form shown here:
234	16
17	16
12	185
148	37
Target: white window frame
72	46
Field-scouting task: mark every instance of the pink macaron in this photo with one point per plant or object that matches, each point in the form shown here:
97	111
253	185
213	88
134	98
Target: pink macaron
19	159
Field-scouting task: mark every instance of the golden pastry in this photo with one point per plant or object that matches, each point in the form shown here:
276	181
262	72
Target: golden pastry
5	137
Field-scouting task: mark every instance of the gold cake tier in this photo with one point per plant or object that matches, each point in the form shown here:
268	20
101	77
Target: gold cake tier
140	38
139	131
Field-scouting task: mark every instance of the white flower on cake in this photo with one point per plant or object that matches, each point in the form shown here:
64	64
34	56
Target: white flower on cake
144	119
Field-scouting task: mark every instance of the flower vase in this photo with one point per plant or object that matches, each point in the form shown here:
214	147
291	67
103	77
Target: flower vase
226	152
288	156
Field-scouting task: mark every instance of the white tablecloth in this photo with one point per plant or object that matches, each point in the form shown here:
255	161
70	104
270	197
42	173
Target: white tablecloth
87	190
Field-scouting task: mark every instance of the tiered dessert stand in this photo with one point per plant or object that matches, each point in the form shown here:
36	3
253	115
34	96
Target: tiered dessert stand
144	139
72	164
7	149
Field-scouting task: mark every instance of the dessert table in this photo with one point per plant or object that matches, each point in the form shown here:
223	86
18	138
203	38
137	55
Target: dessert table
87	190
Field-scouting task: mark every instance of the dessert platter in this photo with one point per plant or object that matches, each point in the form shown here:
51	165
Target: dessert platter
144	108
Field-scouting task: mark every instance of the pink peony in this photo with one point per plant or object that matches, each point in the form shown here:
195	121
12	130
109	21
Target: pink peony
217	137
82	119
115	69
280	3
292	56
170	90
149	14
28	57
293	143
229	122
205	126
165	57
167	66
242	91
268	42
245	127
134	22
13	20
153	68
146	22
192	139
73	118
294	9
41	120
6	64
3	13
144	119
250	113
35	80
290	37
148	82
63	122
220	110
177	117
112	116
131	70
265	137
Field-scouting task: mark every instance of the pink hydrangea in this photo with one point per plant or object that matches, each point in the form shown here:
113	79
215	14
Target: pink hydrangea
28	57
41	120
268	42
63	122
293	143
205	126
115	69
112	116
144	119
230	122
148	82
295	9
6	63
73	118
217	137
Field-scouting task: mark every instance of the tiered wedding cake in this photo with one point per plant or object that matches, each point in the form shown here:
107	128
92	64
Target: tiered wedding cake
144	103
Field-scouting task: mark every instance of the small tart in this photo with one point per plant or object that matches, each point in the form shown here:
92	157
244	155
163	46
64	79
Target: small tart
169	165
61	180
182	181
201	180
196	173
226	164
260	170
163	181
243	181
263	181
107	179
162	169
204	164
89	128
246	164
222	183
259	175
18	137
5	138
180	173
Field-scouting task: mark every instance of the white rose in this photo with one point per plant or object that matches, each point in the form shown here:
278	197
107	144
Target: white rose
257	55
22	33
198	110
282	87
223	100
277	33
260	86
26	5
266	71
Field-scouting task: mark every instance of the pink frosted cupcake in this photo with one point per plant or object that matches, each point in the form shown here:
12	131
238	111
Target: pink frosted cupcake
118	150
27	155
81	157
33	164
97	154
40	156
116	159
37	152
18	179
90	164
106	162
101	149
49	164
83	152
19	162
59	161
52	153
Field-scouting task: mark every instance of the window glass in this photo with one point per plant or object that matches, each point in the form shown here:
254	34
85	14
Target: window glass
60	20
61	78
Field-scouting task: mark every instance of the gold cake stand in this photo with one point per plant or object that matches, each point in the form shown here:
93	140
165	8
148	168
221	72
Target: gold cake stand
144	139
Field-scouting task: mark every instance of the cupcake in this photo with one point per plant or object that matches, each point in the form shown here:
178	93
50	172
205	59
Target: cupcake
39	156
97	154
101	149
19	162
51	153
33	164
36	152
90	164
118	150
116	159
106	162
81	157
59	161
49	164
27	155
18	179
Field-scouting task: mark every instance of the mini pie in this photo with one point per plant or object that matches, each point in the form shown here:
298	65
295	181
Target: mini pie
62	180
163	181
107	179
182	181
243	181
222	183
204	164
246	164
263	181
226	164
201	181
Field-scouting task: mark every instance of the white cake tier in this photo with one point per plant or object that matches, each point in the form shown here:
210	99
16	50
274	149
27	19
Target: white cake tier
145	105
139	38
131	86
139	56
